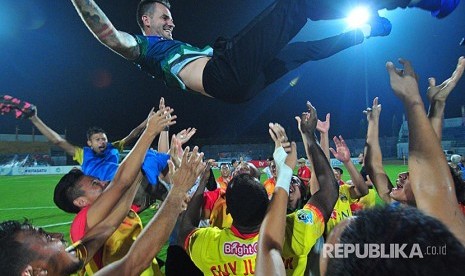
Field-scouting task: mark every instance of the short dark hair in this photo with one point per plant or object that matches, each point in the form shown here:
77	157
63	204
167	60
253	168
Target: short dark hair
246	200
146	7
14	255
93	130
398	225
66	191
339	170
459	184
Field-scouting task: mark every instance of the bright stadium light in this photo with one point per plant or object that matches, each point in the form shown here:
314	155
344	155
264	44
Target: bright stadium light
358	17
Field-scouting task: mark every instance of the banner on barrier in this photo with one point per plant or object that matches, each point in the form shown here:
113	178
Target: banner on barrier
12	170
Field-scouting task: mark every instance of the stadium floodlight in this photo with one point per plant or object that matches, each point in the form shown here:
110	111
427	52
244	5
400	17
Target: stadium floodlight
358	17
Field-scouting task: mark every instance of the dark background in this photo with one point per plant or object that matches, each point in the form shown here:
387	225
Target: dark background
49	58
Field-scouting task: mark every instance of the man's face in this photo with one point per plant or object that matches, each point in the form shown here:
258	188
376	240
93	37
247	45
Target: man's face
360	158
294	195
273	169
403	192
225	172
337	174
50	249
246	168
161	22
92	188
98	142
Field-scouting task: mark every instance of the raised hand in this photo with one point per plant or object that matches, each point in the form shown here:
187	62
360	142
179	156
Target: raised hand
441	92
342	152
185	135
308	120
288	156
323	126
157	121
176	151
278	134
191	167
404	81
374	111
161	105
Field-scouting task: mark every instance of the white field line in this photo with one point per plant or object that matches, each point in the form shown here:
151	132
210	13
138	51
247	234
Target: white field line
56	224
27	208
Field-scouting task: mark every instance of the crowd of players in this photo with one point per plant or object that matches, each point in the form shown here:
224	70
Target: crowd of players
300	224
235	224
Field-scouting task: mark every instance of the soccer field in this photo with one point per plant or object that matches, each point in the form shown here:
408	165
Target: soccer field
31	197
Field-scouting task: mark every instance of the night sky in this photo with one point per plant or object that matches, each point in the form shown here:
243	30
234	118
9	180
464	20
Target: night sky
49	58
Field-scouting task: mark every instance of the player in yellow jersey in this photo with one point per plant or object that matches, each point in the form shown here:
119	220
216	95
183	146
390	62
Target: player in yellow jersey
28	250
233	250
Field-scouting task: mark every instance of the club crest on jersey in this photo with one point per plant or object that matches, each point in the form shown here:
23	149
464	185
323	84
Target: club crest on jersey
305	216
343	198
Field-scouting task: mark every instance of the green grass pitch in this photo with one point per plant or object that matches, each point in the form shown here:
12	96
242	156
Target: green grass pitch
31	197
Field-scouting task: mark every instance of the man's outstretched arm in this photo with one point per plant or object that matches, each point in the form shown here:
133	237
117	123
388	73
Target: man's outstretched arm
155	234
189	219
134	134
430	177
328	193
52	136
272	230
342	153
374	156
437	96
128	169
100	26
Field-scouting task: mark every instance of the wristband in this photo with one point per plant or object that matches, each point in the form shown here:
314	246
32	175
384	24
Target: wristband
284	171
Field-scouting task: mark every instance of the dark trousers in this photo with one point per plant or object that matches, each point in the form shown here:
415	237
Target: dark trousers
179	263
238	69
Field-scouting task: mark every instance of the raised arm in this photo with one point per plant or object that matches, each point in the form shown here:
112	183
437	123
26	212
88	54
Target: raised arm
430	176
52	136
136	131
95	237
155	234
325	198
323	129
163	139
342	153
189	220
100	26
374	156
271	237
128	169
437	96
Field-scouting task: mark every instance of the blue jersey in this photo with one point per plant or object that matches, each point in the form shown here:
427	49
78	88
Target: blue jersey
104	165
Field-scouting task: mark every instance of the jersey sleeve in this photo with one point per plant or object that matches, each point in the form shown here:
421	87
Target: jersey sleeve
303	228
345	189
119	145
78	155
78	226
209	199
196	243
